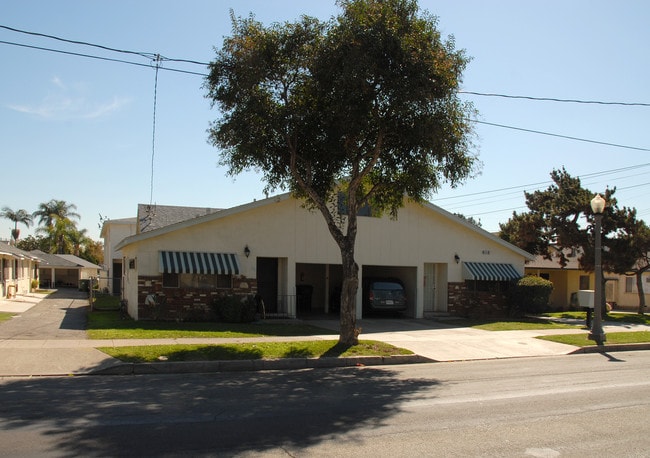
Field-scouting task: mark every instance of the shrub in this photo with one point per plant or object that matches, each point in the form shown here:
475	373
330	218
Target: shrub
531	293
234	309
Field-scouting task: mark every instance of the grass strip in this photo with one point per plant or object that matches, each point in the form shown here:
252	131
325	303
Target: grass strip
521	325
4	316
612	317
259	350
581	340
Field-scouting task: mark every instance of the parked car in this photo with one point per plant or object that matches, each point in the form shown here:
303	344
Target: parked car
383	295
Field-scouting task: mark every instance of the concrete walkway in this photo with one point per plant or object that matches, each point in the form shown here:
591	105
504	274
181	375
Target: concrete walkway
47	337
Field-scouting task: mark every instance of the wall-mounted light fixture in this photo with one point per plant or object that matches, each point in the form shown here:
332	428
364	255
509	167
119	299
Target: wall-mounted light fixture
456	258
247	251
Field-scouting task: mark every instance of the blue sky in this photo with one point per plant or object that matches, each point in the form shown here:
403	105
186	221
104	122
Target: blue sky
81	129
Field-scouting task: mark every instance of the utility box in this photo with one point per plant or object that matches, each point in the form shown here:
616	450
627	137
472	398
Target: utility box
586	298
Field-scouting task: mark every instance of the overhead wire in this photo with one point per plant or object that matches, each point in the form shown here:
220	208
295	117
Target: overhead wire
158	59
553	99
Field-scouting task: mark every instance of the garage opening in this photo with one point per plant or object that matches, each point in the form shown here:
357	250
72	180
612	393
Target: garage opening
383	278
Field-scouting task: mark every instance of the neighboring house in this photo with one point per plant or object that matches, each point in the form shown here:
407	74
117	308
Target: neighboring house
63	270
275	248
17	269
620	290
114	231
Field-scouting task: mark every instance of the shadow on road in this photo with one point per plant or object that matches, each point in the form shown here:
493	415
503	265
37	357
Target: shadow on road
207	413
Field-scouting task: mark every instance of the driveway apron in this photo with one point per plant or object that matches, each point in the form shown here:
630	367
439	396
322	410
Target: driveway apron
28	342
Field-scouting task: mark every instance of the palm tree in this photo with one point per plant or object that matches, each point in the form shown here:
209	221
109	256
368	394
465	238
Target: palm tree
56	218
49	212
19	216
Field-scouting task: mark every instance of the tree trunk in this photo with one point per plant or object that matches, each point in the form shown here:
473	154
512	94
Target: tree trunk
640	292
349	334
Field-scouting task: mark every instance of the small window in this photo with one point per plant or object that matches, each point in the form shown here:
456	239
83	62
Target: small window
584	282
545	276
206	281
170	280
366	210
629	284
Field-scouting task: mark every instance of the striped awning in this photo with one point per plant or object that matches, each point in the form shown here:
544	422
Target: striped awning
187	262
489	271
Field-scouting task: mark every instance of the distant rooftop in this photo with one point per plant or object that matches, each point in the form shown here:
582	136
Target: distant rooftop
151	217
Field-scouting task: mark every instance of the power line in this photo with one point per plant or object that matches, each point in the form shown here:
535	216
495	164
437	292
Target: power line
147	55
568	137
109	59
552	99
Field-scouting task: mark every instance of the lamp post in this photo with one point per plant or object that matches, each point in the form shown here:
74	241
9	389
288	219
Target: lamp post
597	333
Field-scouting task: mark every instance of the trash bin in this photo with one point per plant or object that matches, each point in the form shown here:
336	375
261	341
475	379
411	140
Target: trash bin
304	293
84	285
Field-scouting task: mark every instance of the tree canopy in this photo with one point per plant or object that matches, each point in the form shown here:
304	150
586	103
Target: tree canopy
561	216
365	104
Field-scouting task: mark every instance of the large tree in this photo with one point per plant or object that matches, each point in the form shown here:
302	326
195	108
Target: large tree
561	216
365	105
18	216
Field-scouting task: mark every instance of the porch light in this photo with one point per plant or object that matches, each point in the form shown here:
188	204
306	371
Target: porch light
456	258
247	251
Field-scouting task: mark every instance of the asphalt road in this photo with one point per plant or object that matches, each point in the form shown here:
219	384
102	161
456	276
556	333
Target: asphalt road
579	405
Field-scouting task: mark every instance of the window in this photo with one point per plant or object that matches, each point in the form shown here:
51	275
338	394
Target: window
545	276
366	210
629	284
206	281
170	280
584	282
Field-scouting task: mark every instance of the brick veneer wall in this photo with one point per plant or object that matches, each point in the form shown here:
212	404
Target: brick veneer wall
186	304
475	304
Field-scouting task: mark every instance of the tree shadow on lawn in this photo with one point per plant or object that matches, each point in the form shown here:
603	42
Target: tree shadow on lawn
108	321
204	414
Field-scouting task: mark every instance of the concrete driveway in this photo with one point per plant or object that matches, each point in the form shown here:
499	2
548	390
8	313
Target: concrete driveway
440	342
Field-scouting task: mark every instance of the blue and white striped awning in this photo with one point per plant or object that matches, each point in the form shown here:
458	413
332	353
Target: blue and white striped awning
187	262
489	271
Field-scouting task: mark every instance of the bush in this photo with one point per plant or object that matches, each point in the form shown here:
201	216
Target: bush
234	309
530	294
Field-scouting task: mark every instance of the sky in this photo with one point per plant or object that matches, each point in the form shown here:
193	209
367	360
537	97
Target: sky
83	130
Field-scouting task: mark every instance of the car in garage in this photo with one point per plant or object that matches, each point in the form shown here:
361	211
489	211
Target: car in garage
383	295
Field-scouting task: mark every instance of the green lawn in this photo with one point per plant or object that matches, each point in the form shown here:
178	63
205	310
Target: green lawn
520	325
581	340
615	317
5	316
108	325
261	350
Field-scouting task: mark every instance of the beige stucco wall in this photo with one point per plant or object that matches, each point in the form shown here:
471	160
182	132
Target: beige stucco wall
281	228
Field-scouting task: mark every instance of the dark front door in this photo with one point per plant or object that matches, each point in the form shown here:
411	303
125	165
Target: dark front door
267	282
117	278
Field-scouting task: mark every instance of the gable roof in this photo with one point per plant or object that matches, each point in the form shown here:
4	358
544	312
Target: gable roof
10	250
217	214
66	261
541	262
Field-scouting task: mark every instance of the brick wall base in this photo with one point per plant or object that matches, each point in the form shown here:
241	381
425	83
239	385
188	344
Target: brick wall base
185	304
466	303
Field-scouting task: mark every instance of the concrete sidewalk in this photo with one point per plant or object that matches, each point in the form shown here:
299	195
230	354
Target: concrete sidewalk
48	338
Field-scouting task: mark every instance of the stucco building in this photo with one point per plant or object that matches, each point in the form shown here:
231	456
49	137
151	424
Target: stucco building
278	249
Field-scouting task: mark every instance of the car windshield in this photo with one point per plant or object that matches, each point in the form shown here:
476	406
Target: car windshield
387	286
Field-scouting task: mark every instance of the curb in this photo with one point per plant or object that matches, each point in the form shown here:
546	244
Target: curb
613	347
249	365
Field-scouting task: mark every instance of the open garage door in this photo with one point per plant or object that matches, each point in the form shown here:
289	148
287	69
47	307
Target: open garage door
406	275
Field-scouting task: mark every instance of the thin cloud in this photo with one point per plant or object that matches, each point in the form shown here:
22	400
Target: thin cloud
64	103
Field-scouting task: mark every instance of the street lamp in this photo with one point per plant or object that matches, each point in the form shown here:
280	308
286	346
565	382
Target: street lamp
597	333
